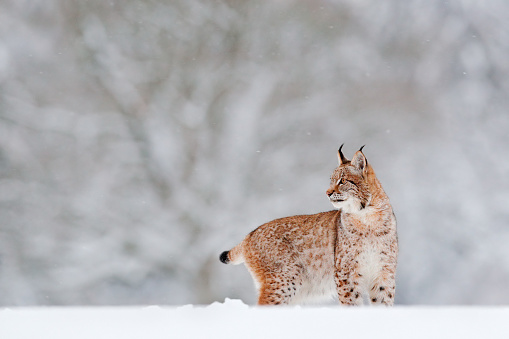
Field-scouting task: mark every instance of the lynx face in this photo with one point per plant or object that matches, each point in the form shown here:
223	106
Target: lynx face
349	188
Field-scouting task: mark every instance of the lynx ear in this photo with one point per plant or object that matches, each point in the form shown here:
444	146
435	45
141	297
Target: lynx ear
341	158
359	161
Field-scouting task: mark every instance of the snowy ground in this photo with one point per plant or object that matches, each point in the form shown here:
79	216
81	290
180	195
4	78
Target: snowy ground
233	319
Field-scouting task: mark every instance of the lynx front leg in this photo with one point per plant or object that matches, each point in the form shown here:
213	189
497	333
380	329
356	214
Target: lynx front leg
347	281
383	289
349	292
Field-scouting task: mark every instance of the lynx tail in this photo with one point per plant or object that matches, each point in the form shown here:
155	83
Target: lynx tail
233	256
224	257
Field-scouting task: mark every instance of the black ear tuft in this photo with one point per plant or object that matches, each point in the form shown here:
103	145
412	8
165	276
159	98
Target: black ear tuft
362	148
341	158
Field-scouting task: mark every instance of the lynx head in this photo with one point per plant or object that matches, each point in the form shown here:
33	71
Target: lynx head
349	188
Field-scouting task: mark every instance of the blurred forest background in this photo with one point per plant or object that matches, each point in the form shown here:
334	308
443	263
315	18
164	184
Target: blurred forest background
139	139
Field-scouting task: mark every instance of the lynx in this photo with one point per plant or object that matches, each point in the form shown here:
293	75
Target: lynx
350	252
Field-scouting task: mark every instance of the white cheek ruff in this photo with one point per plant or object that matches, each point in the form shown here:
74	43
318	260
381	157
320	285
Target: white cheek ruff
350	205
337	204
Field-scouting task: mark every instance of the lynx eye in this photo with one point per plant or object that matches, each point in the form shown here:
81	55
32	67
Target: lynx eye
340	182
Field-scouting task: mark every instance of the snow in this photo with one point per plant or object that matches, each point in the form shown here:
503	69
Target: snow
234	319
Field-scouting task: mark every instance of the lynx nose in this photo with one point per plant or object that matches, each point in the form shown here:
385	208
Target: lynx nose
329	192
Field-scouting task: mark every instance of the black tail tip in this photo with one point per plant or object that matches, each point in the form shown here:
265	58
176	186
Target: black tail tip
224	257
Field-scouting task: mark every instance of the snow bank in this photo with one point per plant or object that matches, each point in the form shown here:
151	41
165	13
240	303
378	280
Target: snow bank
234	319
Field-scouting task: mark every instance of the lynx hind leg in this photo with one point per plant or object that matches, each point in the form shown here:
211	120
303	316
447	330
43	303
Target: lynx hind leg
277	291
277	284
